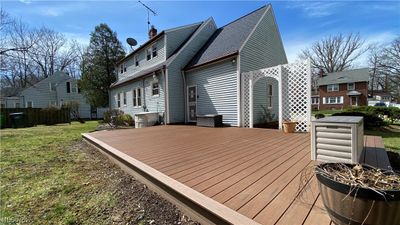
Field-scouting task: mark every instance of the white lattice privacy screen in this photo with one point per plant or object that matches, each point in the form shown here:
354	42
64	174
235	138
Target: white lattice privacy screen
294	84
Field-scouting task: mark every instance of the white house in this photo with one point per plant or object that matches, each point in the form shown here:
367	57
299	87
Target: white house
196	69
57	90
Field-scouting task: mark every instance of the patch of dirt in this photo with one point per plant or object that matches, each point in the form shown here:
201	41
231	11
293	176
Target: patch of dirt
133	202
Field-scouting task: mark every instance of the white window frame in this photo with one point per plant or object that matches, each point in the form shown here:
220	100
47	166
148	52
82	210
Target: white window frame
270	95
137	94
124	98
332	87
152	88
149	54
137	61
27	105
119	100
154	52
354	86
337	100
52	86
74	88
315	100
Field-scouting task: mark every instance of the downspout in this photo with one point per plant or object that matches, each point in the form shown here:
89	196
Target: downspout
184	94
165	96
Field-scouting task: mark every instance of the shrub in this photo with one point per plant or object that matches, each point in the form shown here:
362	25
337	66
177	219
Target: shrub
370	120
126	119
112	117
393	113
319	116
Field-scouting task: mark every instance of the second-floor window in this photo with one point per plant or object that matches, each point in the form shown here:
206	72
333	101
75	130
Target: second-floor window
351	86
148	54
136	61
154	50
137	97
74	88
121	69
333	87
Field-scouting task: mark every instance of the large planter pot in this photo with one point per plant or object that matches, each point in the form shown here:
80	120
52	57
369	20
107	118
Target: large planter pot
289	126
349	205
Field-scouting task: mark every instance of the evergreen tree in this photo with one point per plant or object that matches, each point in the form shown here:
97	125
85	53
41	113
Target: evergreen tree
98	65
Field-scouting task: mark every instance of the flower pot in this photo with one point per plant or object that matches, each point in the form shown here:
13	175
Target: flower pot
347	204
289	126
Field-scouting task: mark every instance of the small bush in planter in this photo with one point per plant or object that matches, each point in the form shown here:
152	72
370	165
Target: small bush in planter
126	119
319	116
359	194
113	117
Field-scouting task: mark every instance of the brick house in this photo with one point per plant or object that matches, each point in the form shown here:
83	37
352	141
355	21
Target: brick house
342	89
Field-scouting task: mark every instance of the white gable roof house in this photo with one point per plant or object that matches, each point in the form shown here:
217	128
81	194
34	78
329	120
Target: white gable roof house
56	90
198	69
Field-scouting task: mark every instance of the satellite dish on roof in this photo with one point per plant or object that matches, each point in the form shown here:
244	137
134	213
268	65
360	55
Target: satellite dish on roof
132	42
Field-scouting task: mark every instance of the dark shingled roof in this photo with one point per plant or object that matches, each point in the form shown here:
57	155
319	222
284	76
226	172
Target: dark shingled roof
347	76
228	39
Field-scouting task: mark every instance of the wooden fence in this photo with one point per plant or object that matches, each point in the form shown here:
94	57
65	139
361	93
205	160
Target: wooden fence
36	116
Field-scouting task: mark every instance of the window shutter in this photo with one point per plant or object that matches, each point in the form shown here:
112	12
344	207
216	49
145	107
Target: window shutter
68	87
341	99
323	100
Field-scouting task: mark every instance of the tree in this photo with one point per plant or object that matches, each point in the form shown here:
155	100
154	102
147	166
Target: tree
335	53
98	65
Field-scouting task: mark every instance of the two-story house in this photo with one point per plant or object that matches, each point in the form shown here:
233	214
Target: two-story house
56	90
196	69
342	89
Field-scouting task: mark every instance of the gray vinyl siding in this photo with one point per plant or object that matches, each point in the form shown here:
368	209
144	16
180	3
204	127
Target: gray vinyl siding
131	68
153	103
264	47
40	94
260	98
216	89
175	38
176	93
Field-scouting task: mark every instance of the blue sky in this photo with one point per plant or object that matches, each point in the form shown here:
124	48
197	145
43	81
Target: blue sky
300	22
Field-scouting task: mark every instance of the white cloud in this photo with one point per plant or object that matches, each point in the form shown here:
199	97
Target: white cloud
316	9
50	11
26	1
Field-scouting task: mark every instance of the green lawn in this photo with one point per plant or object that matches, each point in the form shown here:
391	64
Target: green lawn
390	135
39	175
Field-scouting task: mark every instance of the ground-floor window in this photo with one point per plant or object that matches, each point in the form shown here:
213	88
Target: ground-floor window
269	96
155	89
124	98
29	104
119	100
334	100
315	100
137	97
53	103
17	105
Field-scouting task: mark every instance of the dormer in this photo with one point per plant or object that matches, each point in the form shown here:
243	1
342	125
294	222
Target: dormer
155	51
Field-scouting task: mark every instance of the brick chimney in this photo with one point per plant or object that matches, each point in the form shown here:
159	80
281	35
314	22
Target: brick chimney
321	73
152	32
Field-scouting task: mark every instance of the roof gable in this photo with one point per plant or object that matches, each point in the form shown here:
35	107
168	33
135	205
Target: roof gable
348	76
228	39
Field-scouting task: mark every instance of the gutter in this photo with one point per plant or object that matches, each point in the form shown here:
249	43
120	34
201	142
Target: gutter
212	61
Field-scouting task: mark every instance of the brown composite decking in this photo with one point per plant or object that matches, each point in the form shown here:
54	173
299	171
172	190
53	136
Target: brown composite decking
258	173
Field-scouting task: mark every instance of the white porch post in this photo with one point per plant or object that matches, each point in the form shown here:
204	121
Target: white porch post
308	94
251	99
280	92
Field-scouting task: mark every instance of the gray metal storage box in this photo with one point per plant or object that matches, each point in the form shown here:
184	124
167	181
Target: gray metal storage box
337	139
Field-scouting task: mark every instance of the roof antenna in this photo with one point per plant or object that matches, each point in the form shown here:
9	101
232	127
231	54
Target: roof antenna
148	14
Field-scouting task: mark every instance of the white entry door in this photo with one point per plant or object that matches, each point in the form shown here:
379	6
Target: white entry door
192	103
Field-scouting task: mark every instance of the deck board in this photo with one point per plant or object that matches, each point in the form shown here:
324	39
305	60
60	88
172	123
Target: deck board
256	172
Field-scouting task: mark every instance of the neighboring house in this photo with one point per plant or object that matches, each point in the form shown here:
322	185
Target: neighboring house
55	90
342	89
382	96
196	69
11	102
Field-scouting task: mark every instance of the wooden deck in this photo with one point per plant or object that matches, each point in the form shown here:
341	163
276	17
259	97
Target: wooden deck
258	173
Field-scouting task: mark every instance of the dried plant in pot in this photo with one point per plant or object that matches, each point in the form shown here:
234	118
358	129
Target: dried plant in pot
359	194
289	126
